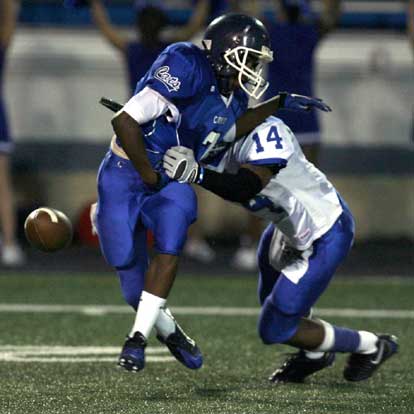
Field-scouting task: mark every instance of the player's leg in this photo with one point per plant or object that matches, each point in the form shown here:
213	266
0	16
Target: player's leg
123	242
169	332
168	214
268	277
296	290
132	276
122	239
11	254
368	350
132	279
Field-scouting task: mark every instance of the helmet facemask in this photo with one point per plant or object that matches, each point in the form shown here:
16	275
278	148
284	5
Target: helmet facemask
249	63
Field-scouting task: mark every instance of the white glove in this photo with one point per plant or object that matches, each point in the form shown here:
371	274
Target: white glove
180	165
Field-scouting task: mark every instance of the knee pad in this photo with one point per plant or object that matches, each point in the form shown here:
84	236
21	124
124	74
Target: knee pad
276	327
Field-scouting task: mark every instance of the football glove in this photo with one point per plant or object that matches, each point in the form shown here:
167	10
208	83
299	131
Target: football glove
180	165
301	102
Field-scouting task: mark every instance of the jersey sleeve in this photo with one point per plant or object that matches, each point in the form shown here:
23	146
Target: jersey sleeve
148	105
271	143
176	74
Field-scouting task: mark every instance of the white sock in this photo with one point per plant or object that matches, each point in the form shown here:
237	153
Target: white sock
329	338
148	311
314	355
367	343
326	344
165	323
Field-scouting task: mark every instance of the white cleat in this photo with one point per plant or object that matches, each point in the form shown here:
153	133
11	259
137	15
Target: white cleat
12	256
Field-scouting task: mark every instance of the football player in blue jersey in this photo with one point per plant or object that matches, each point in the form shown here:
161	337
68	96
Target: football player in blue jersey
154	34
310	233
191	96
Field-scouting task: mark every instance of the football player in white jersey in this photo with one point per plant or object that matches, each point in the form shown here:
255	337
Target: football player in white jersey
310	233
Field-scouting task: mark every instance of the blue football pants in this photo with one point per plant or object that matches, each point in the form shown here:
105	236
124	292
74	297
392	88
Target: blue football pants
284	300
126	209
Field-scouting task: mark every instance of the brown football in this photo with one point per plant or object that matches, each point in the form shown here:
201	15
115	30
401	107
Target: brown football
48	229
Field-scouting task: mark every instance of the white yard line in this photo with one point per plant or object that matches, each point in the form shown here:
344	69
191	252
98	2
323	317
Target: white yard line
73	354
99	310
73	350
13	358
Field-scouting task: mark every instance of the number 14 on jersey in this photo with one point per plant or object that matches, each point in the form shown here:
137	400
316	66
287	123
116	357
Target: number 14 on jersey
272	136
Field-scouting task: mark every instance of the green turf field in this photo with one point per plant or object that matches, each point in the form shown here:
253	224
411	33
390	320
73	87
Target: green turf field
84	342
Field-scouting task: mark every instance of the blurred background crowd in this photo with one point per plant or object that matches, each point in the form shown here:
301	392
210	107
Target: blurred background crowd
56	63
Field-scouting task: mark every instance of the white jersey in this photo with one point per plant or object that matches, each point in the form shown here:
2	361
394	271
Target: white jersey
300	200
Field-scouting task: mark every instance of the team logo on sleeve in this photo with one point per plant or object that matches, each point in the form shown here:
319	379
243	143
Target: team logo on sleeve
171	82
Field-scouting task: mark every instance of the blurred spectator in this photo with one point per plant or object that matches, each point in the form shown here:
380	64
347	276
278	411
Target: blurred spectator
11	254
295	36
152	36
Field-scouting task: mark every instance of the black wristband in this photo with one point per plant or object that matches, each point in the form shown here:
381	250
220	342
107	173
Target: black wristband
282	99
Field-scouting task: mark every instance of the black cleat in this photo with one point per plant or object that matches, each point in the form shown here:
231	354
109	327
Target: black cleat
360	367
298	366
132	356
183	348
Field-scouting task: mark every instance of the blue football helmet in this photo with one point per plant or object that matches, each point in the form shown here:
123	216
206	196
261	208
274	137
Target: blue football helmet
237	46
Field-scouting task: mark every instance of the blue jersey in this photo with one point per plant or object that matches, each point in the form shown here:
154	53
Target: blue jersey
183	75
139	59
292	70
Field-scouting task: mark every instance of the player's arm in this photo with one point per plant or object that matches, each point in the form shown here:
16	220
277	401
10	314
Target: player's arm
180	165
240	187
331	12
144	107
196	22
8	18
132	139
256	115
102	22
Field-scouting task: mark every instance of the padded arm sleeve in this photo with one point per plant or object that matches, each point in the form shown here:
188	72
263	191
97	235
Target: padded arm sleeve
239	187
